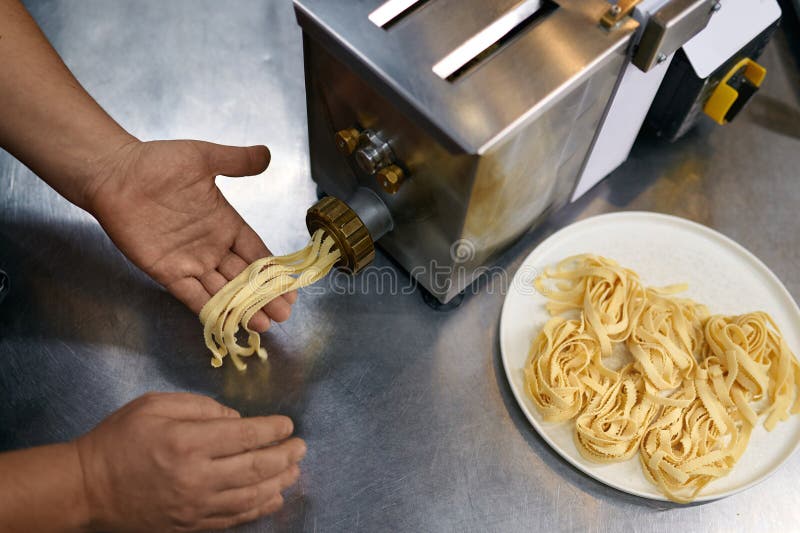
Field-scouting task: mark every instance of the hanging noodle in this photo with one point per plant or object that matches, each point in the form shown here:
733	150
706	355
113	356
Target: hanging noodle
692	391
231	309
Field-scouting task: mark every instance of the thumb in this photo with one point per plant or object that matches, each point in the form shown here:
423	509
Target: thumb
236	161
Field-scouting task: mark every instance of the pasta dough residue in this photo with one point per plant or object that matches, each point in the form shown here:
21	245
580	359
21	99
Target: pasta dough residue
693	388
231	309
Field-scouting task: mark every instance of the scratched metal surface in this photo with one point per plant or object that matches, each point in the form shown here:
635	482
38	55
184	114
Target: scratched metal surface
409	420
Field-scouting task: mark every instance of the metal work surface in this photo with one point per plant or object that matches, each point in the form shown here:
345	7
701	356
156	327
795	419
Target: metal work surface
409	420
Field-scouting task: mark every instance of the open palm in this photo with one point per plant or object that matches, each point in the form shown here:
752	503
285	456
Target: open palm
159	203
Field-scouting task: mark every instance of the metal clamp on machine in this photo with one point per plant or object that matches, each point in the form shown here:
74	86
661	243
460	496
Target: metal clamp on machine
669	28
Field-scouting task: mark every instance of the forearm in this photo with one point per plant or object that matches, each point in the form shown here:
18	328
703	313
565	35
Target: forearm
47	120
41	489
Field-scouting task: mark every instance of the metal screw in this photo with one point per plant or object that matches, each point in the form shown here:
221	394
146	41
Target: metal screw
661	58
615	10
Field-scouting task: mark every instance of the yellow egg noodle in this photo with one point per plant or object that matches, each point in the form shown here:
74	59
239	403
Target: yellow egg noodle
610	297
563	379
690	392
265	279
613	424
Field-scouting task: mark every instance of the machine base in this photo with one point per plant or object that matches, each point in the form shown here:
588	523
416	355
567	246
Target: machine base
436	305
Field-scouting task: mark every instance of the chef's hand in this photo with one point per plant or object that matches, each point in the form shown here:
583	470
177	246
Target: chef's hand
182	462
157	200
159	203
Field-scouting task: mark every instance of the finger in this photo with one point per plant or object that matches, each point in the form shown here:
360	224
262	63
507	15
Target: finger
290	297
236	161
278	310
191	292
251	468
230	267
186	406
213	281
237	501
249	246
260	322
230	437
225	522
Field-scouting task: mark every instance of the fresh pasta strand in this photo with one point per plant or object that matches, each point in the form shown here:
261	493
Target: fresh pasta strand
757	363
613	424
694	389
231	309
684	450
665	337
564	371
609	297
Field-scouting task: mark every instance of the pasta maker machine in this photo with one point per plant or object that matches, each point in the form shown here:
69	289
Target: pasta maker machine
444	129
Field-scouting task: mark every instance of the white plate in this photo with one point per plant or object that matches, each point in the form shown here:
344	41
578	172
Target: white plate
664	250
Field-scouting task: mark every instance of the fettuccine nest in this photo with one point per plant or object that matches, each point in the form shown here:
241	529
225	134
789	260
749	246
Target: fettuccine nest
695	387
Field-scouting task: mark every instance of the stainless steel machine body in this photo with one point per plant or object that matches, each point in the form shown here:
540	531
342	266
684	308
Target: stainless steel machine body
488	108
471	120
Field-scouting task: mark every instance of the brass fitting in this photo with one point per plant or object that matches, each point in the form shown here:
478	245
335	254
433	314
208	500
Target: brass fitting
390	178
347	140
345	227
617	11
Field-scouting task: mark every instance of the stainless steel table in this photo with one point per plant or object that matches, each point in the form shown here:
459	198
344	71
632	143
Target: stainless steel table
409	420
